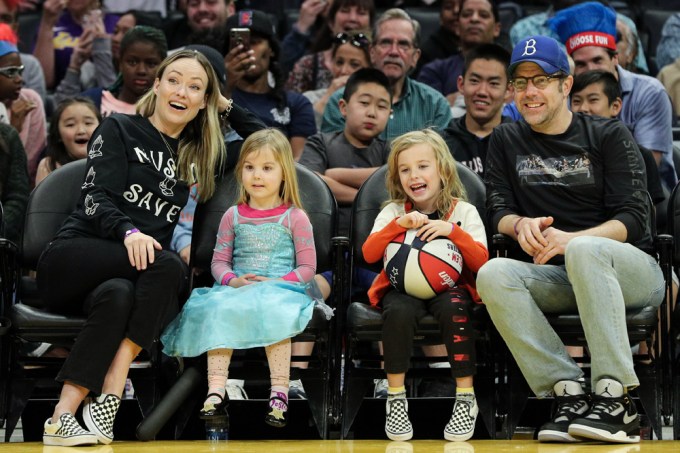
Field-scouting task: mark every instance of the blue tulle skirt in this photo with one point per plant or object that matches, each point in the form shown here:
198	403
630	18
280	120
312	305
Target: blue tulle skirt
255	315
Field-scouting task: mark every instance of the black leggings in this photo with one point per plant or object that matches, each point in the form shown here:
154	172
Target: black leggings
451	309
94	277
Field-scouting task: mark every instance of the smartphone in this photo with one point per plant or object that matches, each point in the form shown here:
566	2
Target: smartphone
239	36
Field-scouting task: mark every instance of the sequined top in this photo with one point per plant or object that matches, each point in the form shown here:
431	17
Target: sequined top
274	243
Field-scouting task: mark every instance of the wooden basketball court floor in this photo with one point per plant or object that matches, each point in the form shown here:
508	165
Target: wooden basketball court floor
349	446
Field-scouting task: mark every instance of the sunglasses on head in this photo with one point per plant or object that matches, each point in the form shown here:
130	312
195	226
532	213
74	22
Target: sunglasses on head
359	40
12	71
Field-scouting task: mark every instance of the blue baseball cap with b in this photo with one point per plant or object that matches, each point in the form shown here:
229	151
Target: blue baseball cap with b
542	50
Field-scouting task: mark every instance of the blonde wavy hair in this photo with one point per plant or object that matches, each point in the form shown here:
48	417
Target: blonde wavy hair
279	145
451	187
201	144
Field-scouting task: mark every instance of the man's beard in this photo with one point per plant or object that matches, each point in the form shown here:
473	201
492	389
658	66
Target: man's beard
215	37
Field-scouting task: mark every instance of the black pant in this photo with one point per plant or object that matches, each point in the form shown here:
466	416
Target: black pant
94	277
451	309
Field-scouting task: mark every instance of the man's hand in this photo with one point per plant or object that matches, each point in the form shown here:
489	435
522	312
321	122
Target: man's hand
237	62
530	233
557	243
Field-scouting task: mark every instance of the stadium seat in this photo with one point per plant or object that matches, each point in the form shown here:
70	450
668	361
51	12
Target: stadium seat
649	325
364	323
319	379
48	206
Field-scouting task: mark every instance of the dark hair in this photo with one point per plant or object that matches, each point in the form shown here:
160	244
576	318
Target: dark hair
139	33
278	91
361	39
152	35
610	86
494	9
56	151
324	37
148	18
492	52
366	75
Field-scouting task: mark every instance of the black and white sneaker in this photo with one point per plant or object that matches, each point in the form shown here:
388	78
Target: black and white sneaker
570	402
67	432
99	414
461	426
397	424
612	417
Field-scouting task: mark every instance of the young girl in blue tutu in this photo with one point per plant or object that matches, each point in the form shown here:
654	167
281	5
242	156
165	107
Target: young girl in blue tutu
263	261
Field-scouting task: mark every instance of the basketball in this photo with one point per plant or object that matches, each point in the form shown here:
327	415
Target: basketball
422	269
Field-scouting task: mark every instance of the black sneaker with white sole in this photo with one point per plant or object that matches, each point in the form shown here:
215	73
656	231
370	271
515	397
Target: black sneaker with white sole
570	403
397	424
99	414
66	432
612	417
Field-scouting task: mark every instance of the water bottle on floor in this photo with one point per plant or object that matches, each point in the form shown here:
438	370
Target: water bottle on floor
217	428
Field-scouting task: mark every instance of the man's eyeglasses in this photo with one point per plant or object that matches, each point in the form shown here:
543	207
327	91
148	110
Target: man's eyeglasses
12	71
357	40
539	81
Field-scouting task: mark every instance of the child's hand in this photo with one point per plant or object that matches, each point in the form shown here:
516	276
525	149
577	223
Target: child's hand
243	280
259	278
433	229
413	219
20	108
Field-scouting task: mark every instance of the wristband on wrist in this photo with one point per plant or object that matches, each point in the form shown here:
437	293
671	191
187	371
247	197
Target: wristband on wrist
517	224
130	232
227	278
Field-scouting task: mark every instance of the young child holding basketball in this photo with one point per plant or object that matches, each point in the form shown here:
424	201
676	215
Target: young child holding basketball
263	261
426	195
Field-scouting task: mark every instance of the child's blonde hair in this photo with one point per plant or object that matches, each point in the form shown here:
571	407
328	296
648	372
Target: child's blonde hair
452	188
279	145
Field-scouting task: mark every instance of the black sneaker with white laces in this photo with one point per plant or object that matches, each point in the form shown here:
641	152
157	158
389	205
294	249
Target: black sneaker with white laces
570	402
612	417
397	424
67	432
99	414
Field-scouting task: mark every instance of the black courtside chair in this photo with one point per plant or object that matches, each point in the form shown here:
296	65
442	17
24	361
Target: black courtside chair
48	206
648	325
364	323
321	378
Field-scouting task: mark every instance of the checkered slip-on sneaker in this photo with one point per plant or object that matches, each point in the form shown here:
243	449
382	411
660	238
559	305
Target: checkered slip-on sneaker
99	414
397	424
461	426
67	432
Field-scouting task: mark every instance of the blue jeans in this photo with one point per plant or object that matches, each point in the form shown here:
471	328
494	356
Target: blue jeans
600	280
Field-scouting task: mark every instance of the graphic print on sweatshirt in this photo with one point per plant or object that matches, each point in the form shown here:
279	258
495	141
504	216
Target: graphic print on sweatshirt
89	178
163	167
570	171
96	150
90	205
